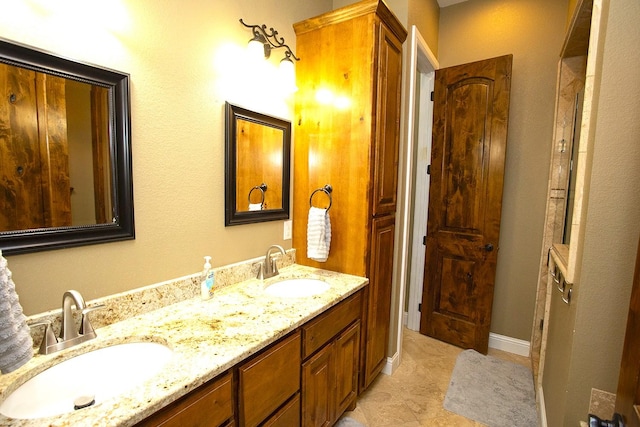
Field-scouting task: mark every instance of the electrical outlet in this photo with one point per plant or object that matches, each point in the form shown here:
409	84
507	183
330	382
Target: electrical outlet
286	234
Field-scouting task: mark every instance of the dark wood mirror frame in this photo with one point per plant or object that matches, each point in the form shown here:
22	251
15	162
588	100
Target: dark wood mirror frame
232	215
117	85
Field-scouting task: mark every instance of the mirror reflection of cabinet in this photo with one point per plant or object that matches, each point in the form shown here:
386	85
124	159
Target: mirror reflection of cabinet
257	158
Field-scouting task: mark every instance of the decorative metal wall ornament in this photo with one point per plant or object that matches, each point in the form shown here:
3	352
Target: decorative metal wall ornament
270	41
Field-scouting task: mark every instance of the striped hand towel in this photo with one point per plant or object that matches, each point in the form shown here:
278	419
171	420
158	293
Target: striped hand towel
318	234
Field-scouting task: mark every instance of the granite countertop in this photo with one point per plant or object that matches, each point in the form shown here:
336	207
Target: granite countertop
207	338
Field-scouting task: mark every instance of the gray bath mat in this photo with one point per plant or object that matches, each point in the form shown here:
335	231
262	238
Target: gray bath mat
492	391
348	422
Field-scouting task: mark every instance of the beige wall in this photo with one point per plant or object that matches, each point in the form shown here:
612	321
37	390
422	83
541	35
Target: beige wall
425	15
533	31
185	60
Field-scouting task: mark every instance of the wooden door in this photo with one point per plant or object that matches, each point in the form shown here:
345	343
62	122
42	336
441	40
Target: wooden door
628	395
471	112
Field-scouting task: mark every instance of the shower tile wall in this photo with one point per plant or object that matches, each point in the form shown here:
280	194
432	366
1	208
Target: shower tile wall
570	81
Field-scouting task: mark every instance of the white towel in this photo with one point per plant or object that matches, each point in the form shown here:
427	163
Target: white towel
318	234
255	206
15	336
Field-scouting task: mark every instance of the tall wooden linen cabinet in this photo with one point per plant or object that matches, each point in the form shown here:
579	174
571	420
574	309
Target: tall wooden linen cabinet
347	125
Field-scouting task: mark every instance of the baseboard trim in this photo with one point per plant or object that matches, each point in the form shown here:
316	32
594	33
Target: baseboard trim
511	345
392	364
542	410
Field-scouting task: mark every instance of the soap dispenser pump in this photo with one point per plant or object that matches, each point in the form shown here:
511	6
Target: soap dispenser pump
207	279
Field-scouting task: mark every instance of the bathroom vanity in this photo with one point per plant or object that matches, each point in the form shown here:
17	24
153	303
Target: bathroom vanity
244	357
272	389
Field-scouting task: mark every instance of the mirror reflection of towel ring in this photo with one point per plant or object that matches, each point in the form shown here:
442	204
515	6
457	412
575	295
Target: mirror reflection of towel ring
327	189
263	188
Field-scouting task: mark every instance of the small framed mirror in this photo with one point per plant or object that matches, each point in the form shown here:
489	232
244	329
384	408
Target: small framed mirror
65	152
257	161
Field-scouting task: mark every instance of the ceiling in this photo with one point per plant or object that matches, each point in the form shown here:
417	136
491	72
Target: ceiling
445	3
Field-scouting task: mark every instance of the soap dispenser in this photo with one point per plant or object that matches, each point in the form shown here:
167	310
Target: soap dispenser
207	279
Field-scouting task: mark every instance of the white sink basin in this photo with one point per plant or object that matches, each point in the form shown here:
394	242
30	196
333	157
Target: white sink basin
297	288
97	375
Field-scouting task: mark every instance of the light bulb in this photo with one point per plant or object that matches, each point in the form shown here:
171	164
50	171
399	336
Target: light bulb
256	49
288	74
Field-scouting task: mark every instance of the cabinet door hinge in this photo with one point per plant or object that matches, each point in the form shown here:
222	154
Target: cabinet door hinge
420	307
431	96
428	169
424	240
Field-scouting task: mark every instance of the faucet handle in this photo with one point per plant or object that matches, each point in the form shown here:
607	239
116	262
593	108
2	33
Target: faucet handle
49	338
274	266
85	326
260	275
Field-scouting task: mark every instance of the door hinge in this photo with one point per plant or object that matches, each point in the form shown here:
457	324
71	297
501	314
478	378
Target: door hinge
420	308
431	96
428	169
541	324
424	240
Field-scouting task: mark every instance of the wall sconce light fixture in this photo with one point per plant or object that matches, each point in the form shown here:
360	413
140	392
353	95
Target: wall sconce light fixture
267	40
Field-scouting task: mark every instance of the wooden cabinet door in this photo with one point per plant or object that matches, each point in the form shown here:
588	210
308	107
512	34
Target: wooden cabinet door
347	349
387	113
378	307
318	375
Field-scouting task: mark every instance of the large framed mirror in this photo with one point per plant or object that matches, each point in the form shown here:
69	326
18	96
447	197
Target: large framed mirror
257	160
65	152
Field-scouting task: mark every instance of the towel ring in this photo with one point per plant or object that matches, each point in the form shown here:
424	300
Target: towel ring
263	188
327	189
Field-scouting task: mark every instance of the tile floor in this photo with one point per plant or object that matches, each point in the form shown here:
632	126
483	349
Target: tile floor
414	394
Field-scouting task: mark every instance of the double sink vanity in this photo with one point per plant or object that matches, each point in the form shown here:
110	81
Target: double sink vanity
283	350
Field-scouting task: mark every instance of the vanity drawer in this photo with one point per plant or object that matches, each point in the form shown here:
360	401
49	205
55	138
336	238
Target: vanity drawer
209	405
321	330
287	416
268	380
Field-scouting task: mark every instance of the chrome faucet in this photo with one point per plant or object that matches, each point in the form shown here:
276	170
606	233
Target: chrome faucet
67	330
269	268
69	336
